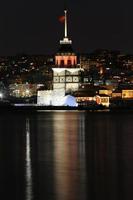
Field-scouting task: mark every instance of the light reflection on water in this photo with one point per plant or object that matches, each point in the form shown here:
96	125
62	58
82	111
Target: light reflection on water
69	156
66	156
28	166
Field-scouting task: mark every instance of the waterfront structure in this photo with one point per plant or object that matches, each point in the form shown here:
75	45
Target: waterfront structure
105	91
127	94
123	92
55	98
88	98
66	75
117	94
65	57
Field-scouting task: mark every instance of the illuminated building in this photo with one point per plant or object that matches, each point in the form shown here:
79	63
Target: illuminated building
65	57
103	100
90	100
123	92
66	75
85	62
105	91
127	94
22	90
55	98
117	94
66	79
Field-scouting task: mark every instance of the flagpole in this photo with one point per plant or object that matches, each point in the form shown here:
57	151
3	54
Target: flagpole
65	11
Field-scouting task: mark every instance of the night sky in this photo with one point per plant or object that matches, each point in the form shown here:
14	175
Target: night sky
32	27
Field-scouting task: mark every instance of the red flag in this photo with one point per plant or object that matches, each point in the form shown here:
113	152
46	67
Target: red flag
62	19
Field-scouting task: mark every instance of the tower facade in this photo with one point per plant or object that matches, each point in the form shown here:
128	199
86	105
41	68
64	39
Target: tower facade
65	56
66	73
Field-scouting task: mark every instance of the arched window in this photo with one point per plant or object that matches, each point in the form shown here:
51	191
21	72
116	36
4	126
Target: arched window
62	62
69	63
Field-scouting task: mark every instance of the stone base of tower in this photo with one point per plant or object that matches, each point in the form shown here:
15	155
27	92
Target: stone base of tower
55	98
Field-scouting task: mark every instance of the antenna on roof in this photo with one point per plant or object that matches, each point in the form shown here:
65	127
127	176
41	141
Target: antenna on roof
65	11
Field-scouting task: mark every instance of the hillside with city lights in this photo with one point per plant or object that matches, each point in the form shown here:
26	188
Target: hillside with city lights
100	79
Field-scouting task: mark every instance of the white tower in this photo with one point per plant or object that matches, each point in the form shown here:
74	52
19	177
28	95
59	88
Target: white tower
66	72
65	56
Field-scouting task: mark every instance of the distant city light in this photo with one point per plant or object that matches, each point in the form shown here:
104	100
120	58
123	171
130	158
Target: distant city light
1	95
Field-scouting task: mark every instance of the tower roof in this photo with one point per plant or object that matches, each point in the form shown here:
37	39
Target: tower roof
66	43
65	48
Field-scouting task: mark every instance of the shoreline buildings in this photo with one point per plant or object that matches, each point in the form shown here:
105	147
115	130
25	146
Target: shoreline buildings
102	77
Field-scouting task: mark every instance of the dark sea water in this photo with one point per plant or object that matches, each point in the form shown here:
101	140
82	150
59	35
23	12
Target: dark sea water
66	155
